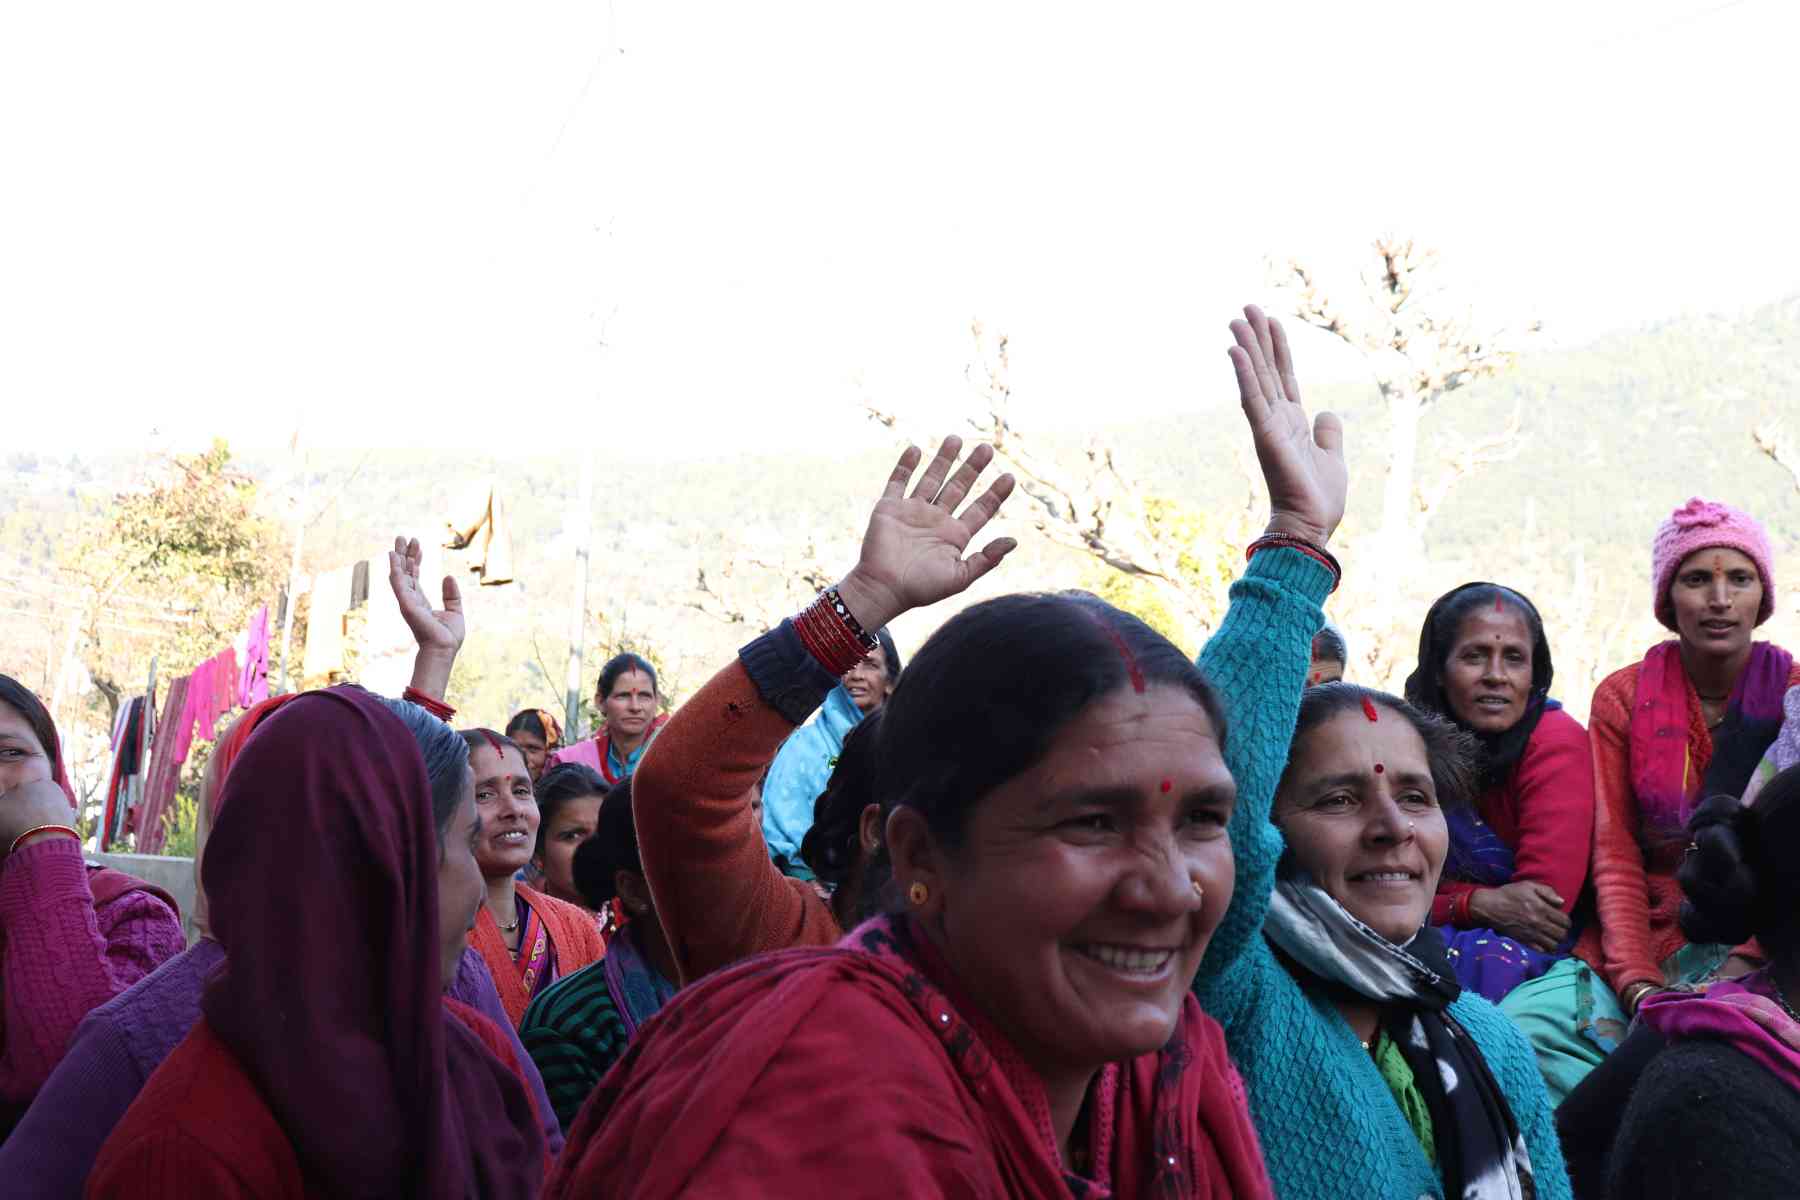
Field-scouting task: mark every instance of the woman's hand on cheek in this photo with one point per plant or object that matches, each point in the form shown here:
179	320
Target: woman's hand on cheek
38	802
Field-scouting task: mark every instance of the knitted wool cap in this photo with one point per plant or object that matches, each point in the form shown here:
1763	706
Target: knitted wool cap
1701	525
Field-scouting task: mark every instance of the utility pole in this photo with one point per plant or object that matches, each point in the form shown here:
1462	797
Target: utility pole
580	524
293	598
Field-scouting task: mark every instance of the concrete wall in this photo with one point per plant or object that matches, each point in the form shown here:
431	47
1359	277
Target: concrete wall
173	875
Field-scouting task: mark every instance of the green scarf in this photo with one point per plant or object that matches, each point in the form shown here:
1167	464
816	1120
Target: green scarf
1399	1078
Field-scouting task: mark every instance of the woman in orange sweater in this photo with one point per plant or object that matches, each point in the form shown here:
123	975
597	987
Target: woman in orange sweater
1692	720
528	939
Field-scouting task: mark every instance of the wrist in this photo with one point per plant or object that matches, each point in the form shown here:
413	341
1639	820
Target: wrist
431	670
1472	907
42	833
873	605
1288	525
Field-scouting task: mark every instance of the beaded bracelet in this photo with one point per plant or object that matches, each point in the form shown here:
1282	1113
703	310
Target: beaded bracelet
1320	555
832	634
37	829
430	704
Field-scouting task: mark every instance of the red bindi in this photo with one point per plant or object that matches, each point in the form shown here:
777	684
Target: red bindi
1497	607
1369	710
1167	786
1379	768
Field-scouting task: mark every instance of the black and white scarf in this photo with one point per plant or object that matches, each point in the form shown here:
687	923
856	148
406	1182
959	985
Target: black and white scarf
1481	1152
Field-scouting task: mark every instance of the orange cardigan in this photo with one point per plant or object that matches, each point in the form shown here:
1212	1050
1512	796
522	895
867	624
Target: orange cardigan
1638	901
717	894
573	932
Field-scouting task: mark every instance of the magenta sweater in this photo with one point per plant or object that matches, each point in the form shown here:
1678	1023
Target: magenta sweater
62	957
123	1041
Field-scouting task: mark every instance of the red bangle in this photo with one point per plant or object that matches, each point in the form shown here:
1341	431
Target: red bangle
37	829
1459	909
1282	541
430	704
826	631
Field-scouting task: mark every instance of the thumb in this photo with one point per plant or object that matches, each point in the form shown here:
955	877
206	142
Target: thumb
988	558
452	594
1548	894
1328	433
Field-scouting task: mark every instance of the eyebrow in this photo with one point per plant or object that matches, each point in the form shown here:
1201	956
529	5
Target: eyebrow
1357	778
1125	797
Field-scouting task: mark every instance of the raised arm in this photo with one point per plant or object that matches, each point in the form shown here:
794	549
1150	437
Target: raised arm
1258	658
439	632
718	896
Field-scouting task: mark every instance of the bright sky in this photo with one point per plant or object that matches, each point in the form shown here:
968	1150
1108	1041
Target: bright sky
413	225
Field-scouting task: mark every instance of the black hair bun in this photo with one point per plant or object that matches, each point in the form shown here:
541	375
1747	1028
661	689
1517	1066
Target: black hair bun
1719	874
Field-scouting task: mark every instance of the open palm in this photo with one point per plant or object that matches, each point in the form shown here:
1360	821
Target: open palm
441	629
1302	461
912	552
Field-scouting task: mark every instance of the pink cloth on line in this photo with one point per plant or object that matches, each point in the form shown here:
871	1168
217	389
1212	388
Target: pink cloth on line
253	679
174	734
60	957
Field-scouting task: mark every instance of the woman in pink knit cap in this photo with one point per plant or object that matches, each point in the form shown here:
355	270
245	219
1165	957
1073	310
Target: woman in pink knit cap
1692	720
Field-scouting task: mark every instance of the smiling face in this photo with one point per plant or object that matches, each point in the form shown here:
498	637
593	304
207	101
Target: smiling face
1085	890
1487	676
1360	812
509	811
23	758
459	883
630	706
1716	595
572	824
868	682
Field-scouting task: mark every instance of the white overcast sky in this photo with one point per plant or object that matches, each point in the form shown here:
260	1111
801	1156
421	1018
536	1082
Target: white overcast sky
412	224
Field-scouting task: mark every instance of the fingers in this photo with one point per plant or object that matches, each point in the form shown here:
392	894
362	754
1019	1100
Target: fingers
1250	395
982	511
932	481
965	477
902	474
1284	362
1265	353
1548	895
987	558
453	601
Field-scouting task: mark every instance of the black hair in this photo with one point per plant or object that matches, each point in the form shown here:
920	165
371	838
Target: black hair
527	721
481	736
561	784
1328	645
618	665
991	690
1498	754
446	758
1741	876
17	696
1449	749
613	848
831	847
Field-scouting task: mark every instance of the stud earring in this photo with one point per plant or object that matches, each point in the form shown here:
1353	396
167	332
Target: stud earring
1199	892
918	893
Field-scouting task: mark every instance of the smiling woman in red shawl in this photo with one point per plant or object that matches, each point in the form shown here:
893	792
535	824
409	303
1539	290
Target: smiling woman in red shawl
1020	1023
329	1061
71	937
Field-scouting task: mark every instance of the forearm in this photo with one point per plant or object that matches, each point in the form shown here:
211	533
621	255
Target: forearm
431	671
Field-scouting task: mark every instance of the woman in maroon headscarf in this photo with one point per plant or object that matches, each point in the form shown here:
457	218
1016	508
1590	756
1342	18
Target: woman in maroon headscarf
325	1065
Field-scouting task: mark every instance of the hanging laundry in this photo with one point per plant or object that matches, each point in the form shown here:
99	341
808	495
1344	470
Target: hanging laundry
253	680
359	585
483	511
325	624
125	784
212	692
167	752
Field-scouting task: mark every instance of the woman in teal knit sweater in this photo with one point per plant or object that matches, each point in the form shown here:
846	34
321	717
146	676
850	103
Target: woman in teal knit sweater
1328	1049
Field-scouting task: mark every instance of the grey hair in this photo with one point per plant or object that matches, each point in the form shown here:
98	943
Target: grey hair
446	758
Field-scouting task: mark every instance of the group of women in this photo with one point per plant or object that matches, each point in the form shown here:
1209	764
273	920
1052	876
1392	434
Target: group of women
1054	912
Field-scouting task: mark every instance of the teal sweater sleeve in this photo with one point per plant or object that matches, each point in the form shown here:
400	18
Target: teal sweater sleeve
1257	662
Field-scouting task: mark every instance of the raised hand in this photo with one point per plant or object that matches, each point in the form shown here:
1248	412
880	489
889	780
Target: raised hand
440	629
912	553
1302	462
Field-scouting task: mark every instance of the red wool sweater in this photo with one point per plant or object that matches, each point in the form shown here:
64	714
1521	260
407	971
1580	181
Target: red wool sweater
61	956
1546	814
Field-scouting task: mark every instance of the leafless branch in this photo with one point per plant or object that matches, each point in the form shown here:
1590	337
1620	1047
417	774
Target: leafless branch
1772	441
1464	459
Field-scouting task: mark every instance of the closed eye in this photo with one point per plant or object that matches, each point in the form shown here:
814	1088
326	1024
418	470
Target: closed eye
1091	823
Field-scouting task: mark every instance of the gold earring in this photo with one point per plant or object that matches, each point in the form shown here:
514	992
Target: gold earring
1199	892
918	893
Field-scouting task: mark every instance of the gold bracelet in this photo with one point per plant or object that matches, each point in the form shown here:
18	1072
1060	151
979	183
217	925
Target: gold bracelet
37	829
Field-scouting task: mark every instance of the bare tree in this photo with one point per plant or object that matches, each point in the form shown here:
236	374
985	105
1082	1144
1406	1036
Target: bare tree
1420	350
1772	441
1087	502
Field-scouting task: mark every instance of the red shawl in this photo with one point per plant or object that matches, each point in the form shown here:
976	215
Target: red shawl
574	936
324	895
826	1071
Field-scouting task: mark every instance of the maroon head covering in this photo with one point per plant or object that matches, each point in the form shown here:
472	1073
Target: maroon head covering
324	895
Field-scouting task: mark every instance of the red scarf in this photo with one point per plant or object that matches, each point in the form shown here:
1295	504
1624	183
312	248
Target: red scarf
757	1063
573	942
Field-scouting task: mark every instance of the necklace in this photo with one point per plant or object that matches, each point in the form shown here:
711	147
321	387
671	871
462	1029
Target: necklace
509	928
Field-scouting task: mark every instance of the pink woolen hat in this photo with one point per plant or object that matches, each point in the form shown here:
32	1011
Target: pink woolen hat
1701	525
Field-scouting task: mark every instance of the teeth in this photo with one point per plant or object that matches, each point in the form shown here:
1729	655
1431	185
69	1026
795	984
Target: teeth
1386	876
1127	959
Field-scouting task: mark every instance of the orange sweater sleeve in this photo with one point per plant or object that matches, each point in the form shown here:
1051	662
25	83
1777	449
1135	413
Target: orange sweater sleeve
1621	887
718	896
